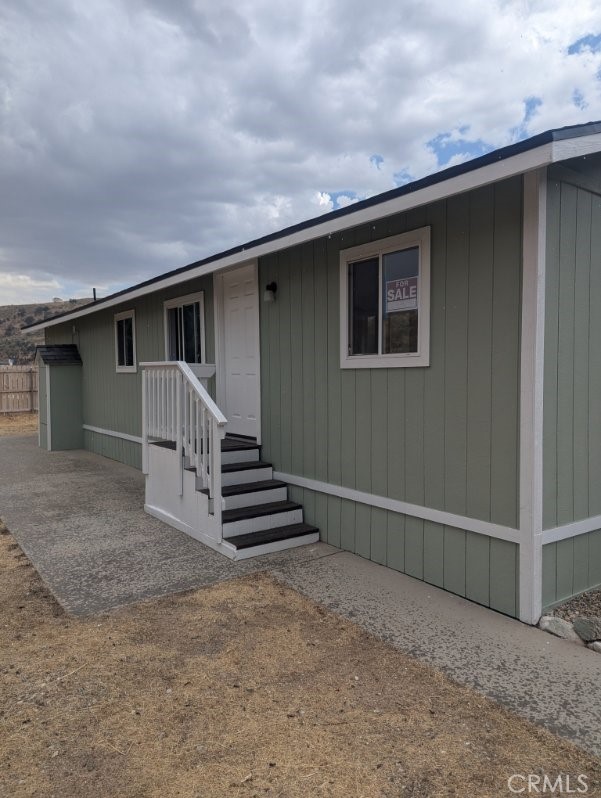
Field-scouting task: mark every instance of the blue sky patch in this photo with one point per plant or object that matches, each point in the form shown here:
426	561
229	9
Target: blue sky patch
578	99
335	195
531	104
445	147
402	178
592	42
377	160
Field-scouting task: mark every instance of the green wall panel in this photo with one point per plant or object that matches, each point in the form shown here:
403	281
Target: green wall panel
65	407
112	400
124	451
572	406
446	436
482	569
571	566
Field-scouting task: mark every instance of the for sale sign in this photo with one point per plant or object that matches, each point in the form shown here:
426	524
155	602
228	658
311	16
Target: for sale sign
401	294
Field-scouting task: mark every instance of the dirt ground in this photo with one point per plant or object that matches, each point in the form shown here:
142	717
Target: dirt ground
243	689
18	423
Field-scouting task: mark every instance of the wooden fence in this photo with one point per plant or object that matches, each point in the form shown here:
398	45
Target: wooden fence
18	389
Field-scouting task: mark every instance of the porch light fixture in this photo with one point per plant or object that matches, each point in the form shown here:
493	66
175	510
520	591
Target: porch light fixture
270	292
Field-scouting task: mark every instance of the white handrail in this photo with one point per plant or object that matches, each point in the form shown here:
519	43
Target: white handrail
176	407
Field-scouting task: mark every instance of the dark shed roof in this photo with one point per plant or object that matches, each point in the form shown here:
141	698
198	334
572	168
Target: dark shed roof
59	355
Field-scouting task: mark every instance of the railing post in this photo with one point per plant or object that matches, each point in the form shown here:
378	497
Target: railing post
218	434
178	426
144	422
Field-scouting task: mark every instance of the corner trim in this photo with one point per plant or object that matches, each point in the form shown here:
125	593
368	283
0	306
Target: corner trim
531	395
48	410
112	434
405	508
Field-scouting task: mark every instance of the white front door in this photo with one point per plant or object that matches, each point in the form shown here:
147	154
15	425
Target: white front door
241	350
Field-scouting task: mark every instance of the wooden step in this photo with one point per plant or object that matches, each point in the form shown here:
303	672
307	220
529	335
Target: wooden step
163	444
237	445
227	468
243	520
259	510
266	536
251	493
235	451
238	473
252	487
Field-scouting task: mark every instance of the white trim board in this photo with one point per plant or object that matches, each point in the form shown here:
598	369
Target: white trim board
531	395
405	508
112	434
572	530
507	167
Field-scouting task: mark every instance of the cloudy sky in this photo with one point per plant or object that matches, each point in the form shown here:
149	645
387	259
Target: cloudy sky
139	135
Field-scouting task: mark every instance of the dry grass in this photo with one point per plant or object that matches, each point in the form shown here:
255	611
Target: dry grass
18	423
244	689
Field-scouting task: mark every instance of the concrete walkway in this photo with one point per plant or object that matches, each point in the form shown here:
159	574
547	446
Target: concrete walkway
79	518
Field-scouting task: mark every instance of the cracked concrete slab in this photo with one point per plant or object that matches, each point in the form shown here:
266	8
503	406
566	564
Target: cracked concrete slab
80	519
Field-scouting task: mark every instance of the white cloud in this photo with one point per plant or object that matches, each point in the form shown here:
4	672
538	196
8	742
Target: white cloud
18	289
138	136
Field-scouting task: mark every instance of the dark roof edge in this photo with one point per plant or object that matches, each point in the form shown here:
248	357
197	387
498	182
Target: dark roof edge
558	134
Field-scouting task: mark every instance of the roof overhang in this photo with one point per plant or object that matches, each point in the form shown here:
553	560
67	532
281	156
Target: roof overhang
536	153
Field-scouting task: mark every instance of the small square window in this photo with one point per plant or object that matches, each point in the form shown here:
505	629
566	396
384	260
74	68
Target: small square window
385	302
125	341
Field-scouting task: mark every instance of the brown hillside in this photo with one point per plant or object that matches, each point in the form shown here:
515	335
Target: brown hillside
21	346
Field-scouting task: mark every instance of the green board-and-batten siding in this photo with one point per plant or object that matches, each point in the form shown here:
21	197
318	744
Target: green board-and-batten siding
65	407
477	567
572	406
128	452
572	403
111	400
446	436
571	566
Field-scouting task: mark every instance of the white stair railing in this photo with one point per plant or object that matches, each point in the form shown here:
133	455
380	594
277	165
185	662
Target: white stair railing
176	407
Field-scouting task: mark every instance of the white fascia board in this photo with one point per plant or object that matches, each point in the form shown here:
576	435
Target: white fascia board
578	147
500	170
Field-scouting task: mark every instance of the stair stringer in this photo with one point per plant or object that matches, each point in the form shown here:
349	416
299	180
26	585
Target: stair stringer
188	512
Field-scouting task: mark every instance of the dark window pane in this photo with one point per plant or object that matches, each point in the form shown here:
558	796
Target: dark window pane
173	333
363	307
128	345
191	334
125	342
184	333
120	343
400	301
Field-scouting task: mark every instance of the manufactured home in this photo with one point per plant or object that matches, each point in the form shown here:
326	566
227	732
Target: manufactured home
415	378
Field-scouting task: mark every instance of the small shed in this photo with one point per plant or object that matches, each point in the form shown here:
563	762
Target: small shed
61	418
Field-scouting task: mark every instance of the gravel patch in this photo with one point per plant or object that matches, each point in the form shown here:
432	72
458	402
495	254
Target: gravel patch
586	604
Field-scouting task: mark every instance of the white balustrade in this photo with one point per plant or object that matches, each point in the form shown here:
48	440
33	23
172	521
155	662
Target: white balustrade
177	408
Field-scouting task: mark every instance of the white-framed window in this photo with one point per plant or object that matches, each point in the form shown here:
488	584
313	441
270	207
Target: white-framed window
185	328
125	341
385	302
